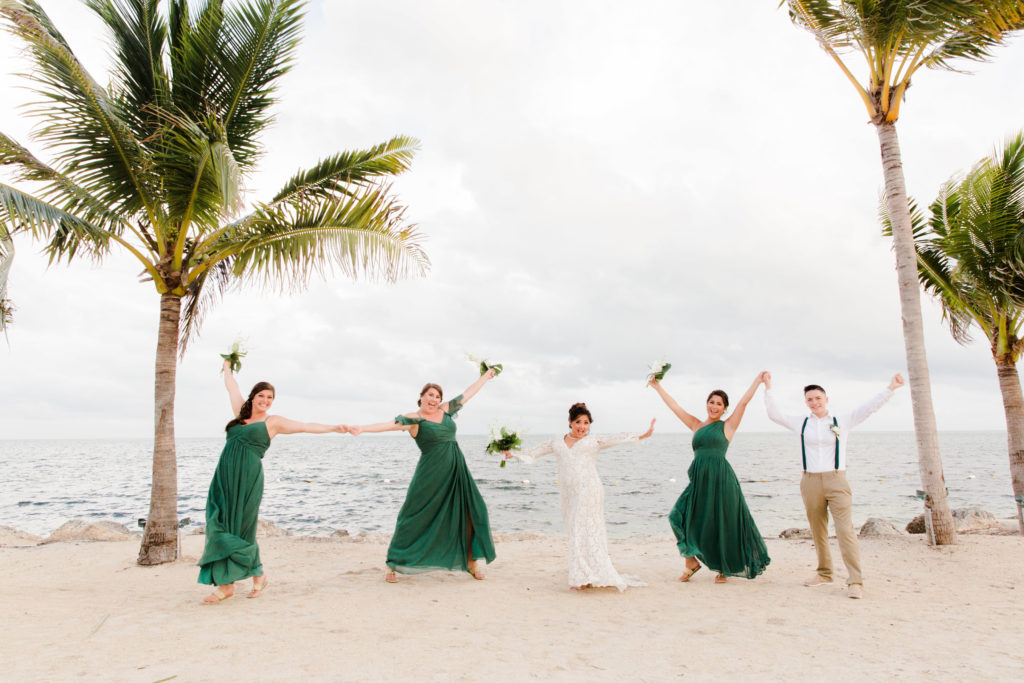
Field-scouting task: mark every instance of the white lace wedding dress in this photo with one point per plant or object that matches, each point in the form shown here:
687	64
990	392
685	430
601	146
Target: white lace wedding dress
583	507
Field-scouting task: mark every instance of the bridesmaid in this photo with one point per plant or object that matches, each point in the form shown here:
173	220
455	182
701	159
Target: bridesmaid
711	520
443	523
233	503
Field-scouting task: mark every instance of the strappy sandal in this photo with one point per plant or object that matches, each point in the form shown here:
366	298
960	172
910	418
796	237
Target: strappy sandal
257	588
475	571
687	572
720	578
391	576
218	595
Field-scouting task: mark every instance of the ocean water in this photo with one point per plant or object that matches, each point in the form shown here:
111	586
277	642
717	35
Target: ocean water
318	484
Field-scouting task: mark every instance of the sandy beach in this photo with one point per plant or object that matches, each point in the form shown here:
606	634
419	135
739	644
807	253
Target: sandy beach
85	611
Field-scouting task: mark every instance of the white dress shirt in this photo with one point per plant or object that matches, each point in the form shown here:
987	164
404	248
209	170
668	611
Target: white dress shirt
819	440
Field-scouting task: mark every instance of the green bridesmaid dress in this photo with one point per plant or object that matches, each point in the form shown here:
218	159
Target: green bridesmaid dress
711	519
433	527
233	506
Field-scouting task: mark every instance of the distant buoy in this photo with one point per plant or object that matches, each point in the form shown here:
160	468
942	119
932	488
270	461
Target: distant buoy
764	480
970	476
526	481
673	480
387	481
881	480
309	481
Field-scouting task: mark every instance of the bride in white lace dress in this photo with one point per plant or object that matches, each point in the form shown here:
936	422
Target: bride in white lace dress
583	498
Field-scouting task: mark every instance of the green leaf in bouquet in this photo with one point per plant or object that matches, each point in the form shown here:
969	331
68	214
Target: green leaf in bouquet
235	356
504	440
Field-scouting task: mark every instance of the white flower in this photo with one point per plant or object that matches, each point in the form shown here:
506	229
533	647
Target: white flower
834	428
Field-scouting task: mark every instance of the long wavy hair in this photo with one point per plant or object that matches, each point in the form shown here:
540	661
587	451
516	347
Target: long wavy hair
246	411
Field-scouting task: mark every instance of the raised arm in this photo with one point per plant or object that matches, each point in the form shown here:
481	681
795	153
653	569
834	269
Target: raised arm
790	422
609	440
862	412
232	386
282	425
689	420
473	388
732	423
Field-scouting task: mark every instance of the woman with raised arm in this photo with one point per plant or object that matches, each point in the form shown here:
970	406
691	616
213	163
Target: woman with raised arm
711	520
443	523
233	503
583	498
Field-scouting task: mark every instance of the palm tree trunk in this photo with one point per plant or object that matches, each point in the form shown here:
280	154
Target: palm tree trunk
160	540
928	458
1013	406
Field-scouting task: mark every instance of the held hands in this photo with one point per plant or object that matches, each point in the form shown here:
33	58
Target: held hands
355	430
341	429
897	382
766	377
650	430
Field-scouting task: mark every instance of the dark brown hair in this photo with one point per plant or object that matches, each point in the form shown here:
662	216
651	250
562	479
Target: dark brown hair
577	409
427	387
246	411
721	394
812	387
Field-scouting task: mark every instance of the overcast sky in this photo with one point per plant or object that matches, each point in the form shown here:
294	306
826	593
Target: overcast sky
600	183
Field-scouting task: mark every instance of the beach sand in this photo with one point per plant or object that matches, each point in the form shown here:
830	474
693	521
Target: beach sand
85	611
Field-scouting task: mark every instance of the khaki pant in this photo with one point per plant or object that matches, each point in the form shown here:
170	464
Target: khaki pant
824	491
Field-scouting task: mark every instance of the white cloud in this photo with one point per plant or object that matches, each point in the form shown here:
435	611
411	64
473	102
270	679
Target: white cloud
601	184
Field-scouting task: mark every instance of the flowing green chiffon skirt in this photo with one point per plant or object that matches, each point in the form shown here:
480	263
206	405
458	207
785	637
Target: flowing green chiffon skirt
711	520
444	517
233	506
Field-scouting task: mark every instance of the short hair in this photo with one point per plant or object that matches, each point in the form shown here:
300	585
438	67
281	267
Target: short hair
813	387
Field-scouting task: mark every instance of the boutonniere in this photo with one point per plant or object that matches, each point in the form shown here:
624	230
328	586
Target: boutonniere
834	428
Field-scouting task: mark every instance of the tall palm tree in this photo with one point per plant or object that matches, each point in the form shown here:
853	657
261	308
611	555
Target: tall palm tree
969	257
897	38
154	163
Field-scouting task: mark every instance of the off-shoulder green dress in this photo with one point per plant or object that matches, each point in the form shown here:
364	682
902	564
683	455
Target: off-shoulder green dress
233	506
433	527
711	519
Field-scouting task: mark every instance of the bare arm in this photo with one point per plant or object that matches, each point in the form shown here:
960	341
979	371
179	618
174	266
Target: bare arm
232	386
689	420
732	423
356	430
282	425
473	388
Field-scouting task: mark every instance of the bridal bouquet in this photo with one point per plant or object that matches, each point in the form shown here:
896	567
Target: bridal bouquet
503	440
658	370
484	365
236	356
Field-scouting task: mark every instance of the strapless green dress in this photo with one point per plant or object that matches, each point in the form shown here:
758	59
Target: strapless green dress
711	519
233	506
432	531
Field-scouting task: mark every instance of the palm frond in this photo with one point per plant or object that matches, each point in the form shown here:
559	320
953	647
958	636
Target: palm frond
139	35
262	37
334	175
6	261
81	122
68	234
363	236
201	296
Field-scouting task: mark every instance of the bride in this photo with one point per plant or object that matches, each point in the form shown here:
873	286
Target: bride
583	498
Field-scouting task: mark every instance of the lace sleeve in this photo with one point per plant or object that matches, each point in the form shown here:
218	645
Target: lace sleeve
403	420
609	440
455	405
531	455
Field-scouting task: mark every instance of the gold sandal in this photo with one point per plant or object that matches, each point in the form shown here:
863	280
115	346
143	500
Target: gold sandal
475	571
257	588
218	595
687	572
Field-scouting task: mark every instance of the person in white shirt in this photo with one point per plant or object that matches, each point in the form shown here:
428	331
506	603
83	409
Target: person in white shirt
824	487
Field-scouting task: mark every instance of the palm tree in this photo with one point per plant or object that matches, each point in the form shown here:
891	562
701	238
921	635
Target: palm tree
154	164
969	257
897	38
